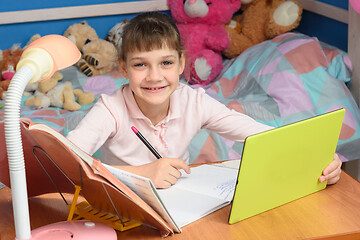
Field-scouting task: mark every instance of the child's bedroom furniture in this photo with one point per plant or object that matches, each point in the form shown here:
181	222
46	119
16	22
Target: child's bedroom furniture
291	77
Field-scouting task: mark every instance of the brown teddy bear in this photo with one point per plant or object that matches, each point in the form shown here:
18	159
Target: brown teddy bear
261	20
98	55
61	95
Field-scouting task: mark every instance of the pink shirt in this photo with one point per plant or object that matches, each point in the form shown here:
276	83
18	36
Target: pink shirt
108	125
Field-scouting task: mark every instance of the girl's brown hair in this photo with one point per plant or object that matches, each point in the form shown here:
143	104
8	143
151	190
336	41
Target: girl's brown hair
149	31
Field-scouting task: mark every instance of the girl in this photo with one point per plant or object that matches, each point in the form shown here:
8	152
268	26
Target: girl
168	113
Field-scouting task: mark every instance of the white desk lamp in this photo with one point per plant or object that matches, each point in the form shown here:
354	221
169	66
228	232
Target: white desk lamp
39	62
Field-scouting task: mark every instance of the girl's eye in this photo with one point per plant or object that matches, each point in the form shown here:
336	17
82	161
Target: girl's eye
166	63
139	65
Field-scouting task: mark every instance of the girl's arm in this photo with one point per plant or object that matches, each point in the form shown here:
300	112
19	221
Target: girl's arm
230	124
164	172
94	129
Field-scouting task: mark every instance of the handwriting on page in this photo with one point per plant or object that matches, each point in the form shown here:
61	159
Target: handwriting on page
226	189
210	180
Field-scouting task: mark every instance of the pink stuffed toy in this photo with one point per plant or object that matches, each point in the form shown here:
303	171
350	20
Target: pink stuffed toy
200	23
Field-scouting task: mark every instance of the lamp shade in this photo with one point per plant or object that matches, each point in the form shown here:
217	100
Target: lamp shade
61	50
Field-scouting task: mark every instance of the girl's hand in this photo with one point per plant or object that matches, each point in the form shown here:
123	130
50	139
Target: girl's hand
332	172
163	172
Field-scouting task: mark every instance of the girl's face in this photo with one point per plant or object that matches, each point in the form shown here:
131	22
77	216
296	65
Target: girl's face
153	76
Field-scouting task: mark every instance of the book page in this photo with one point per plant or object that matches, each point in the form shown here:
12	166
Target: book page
146	190
87	158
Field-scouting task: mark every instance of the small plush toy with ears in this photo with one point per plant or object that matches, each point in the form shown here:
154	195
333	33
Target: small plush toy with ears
8	60
261	20
200	23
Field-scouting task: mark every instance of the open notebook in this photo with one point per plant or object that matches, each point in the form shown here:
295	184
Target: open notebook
284	164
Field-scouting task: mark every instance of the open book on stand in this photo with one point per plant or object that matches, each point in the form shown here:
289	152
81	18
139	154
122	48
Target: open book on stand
54	164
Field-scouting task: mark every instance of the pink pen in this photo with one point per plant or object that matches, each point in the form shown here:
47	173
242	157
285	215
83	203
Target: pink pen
147	144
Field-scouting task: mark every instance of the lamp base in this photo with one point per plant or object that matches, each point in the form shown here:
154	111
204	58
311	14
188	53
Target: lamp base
74	230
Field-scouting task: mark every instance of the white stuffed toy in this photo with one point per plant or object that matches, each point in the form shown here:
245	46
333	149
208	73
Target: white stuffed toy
115	34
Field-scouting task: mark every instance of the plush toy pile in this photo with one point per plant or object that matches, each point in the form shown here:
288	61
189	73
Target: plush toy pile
98	55
261	20
201	28
61	95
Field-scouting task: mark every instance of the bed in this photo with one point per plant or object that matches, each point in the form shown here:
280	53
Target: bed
289	78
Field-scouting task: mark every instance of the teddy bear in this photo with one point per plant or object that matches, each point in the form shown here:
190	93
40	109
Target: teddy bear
61	95
260	20
8	60
200	23
98	55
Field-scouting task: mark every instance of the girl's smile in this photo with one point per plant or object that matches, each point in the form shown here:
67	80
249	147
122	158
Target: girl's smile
154	89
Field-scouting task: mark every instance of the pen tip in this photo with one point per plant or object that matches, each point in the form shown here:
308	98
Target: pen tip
134	129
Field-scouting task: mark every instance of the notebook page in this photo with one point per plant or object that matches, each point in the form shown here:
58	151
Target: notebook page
186	206
207	189
210	180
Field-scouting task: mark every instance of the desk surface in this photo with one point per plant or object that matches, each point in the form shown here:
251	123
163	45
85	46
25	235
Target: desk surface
335	210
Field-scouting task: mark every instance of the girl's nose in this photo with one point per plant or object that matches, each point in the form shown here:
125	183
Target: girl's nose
154	74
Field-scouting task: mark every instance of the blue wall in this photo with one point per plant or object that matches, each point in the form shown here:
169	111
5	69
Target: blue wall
324	29
22	32
40	4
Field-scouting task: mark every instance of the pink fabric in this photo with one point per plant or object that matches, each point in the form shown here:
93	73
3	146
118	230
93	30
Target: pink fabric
109	123
355	5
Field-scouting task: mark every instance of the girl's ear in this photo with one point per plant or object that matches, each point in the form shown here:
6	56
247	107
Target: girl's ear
182	63
122	65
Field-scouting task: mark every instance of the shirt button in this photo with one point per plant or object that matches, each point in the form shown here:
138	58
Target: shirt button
156	132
